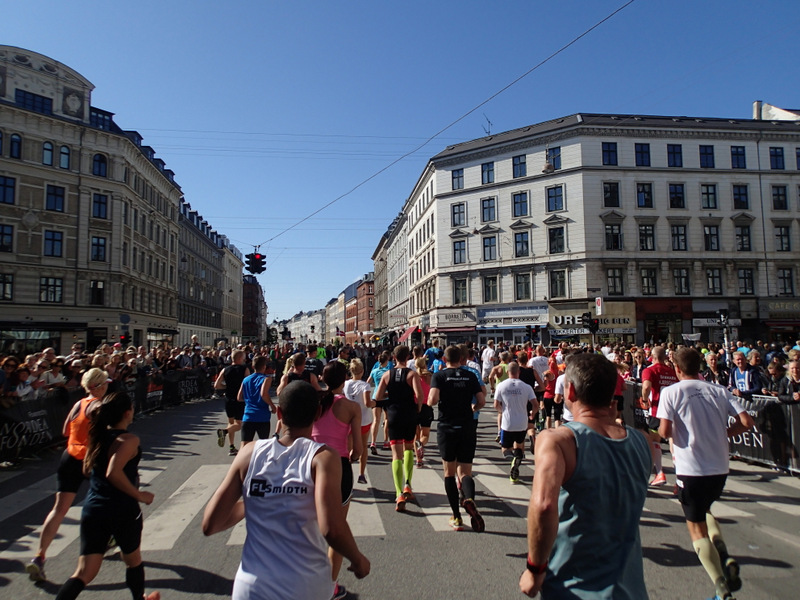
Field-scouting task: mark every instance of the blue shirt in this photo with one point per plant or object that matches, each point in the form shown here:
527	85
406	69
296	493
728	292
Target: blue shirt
255	409
477	413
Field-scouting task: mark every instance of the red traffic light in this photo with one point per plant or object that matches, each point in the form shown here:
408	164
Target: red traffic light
258	256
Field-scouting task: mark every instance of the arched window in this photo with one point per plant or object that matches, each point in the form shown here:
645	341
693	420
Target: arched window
47	154
15	151
100	166
63	159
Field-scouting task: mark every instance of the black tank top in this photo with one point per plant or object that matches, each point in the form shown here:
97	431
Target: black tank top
401	395
234	375
103	495
304	376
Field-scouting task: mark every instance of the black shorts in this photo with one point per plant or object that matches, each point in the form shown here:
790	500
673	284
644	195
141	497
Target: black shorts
234	409
98	527
251	428
457	444
509	438
553	409
697	494
425	416
347	481
70	474
402	424
380	404
644	421
620	402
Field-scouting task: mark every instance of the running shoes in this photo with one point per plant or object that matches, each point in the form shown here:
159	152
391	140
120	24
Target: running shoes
659	480
476	520
35	569
456	523
221	437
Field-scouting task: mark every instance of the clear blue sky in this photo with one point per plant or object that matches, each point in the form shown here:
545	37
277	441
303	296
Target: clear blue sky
268	110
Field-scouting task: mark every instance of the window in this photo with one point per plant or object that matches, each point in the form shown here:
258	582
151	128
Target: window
519	167
613	236
51	289
6	287
797	152
642	152
63	157
460	291
7	189
458	179
98	248
100	206
47	154
738	158
679	241
34	102
779	198
555	198
674	155
556	240
522	286
714	280
776	159
520	202
97	293
521	246
609	153
711	237
15	148
743	238
1	143
708	196
558	284
100	166
647	237
677	197
487	173
490	248
785	282
707	157
53	243
614	279
648	282
490	289
741	199
746	281
610	194
100	119
554	157
783	239
55	198
680	279
458	214
644	195
459	252
488	212
6	238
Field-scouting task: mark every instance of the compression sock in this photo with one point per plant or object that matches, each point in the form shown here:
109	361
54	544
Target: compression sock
657	457
134	579
716	537
408	464
70	589
468	487
397	475
451	489
709	557
519	453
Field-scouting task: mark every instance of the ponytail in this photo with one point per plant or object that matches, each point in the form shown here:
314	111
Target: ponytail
334	375
109	411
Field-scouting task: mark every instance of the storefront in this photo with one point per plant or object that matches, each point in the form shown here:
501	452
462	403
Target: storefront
617	322
454	326
509	323
781	318
663	320
26	338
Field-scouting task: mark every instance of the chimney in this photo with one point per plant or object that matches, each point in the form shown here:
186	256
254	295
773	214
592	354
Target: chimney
757	110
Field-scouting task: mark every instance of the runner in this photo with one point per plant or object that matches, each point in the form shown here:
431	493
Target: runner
695	414
404	390
488	359
498	374
289	528
358	391
258	406
112	504
70	470
452	389
230	379
425	412
655	377
512	398
379	409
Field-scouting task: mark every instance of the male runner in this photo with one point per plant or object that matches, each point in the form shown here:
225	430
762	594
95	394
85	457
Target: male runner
258	406
655	377
695	414
512	398
230	379
452	389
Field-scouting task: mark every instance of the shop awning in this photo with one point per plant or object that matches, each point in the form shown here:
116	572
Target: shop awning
407	333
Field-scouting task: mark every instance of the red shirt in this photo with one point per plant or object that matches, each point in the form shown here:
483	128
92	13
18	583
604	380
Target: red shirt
660	376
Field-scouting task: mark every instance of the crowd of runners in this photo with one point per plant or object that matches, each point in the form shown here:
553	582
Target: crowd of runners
330	411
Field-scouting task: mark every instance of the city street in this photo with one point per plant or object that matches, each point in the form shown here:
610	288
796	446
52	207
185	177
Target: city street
414	555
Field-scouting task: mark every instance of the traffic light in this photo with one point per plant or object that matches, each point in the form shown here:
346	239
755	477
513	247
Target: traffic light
528	333
124	339
586	320
258	262
249	263
594	325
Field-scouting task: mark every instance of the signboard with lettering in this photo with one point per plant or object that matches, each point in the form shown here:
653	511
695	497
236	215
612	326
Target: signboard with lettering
711	322
536	315
618	318
444	318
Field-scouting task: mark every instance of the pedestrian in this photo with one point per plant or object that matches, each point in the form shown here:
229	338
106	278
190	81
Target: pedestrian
70	469
588	495
111	508
695	414
289	488
230	379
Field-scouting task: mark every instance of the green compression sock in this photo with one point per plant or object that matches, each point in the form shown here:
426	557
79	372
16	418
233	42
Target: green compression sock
397	475
408	464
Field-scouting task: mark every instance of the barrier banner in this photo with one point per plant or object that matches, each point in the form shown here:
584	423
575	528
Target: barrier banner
773	440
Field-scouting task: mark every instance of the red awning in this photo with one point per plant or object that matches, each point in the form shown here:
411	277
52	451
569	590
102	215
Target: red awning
407	333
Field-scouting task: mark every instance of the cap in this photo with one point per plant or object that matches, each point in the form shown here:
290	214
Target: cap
117	345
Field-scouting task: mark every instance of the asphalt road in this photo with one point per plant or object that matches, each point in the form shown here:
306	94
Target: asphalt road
414	555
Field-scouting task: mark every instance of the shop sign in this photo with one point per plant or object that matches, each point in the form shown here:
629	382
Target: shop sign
532	314
442	319
711	322
617	318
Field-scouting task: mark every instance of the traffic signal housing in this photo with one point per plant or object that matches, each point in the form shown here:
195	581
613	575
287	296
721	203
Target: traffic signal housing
586	320
528	333
594	325
255	263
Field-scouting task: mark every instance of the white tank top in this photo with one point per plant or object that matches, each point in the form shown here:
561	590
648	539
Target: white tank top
284	554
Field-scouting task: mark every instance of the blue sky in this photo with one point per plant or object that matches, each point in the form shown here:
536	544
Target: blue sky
268	110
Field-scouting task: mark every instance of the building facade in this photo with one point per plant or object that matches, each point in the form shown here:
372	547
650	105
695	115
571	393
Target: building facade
254	311
365	300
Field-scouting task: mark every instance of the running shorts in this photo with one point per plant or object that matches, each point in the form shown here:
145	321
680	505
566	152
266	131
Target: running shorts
425	417
509	438
402	424
70	474
347	480
234	409
98	527
380	404
251	428
553	409
457	443
697	494
365	429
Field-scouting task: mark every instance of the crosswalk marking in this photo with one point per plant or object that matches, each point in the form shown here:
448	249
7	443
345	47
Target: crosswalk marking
750	491
431	498
495	479
24	498
165	525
